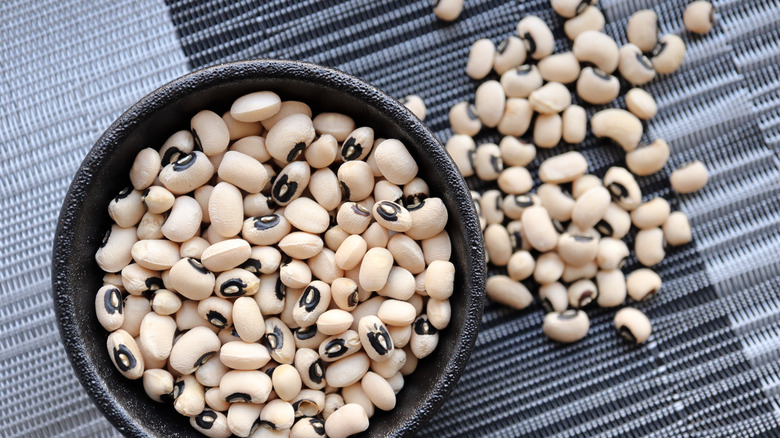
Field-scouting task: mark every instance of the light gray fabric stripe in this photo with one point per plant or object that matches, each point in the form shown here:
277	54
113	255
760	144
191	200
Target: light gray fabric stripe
68	69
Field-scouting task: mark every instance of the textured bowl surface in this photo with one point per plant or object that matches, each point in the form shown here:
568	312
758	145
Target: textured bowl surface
84	219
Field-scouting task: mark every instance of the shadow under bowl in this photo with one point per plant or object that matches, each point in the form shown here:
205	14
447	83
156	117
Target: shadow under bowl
104	172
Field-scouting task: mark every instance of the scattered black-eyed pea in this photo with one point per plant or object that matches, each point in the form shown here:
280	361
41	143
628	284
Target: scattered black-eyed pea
537	36
429	217
248	319
538	229
440	279
563	168
463	118
488	163
334	321
390	367
514	205
286	108
596	48
356	180
165	302
235	283
263	260
375	268
157	199
344	293
548	130
577	249
212	424
178	144
623	187
633	325
519	82
642	29
265	230
574	273
226	255
353	218
590	19
309	366
497	245
156	336
574	124
561	67
514	152
301	245
279	340
641	103
192	349
554	297
438	247
699	16
243	171
193	248
247	386
135	309
210	132
322	152
515	180
668	54
290	183
584	183
447	10
339	346
187	316
570	8
155	254
590	208
396	313
127	208
348	420
384	190
648	159
187	173
510	53
618	125
634	66
288	138
612	288
462	149
211	372
365	308
375	339
256	107
242	418
615	223
415	104
566	327
612	253
295	273
508	292
581	293
549	268
347	371
519	267
335	124
490	102
677	229
400	335
424	337
649	246
252	145
643	284
188	396
191	279
439	313
332	403
240	355
378	391
158	385
392	216
217	311
125	354
596	87
308	402
277	415
215	401
138	280
203	195
351	251
551	98
480	60
307	215
358	144
145	168
517	117
689	177
651	214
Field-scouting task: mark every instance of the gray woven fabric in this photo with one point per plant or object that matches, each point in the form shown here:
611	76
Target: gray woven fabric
710	369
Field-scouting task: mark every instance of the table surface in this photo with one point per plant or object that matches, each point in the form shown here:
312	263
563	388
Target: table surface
69	67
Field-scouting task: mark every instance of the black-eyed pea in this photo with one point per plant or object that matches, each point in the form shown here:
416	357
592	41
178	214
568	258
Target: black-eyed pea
515	152
243	171
243	418
245	386
375	268
464	120
548	130
634	66
188	396
248	319
447	10
416	300
138	280
264	230
689	177
339	346
488	163
286	382
577	249
623	187
191	279
396	313
563	168
347	371
156	336
597	48
203	195
440	279
615	223
309	366
649	246
584	183
699	16
618	125
306	215
287	108
590	208
438	247
515	180
497	245
378	391
109	307
581	293
514	205
210	132
480	60
415	104
574	273
193	248
375	339
263	260
366	308
559	205
135	308
184	221
353	218
510	53
178	144
335	124
677	229
252	145
633	325
157	199
411	362
290	183
424	338
356	180
308	337
508	292
191	350
597	87
187	316
226	255
643	284
462	149
158	385
322	152
240	355
574	124
358	144
554	297
591	18
332	403
566	327
651	214
211	371
538	229
668	54
363	294
351	252
187	173
113	279
125	354
520	266
217	311
392	216
537	36
212	424
270	297
325	189
490	102
288	138
641	103
354	394
561	67
145	168
347	420
301	245
517	236
517	117
439	313
429	217
648	159
334	321
308	403
520	82
612	253
255	107
215	401
551	98
400	335
642	29
549	268
279	340
612	288
127	208
344	293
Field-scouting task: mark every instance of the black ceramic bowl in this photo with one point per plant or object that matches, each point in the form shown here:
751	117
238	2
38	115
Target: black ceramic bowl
84	219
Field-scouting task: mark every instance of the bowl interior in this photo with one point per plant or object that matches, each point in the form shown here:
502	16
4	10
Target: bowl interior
103	173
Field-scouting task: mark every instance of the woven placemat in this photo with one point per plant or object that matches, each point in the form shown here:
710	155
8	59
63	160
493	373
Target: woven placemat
68	68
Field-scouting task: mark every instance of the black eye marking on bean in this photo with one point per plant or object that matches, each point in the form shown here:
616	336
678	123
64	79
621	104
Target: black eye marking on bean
470	155
216	319
296	151
185	162
568	314
379	340
112	301
284	189
388	211
417	206
267	222
604	228
354	298
201	360
415	198
197	266
644	61
238	397
351	150
206	419
523	70
279	290
601	74
124	358
167	397
310	298
625	332
471	112
154	283
586	297
124	193
196	140
105	238
559	226
344	190
523	201
275	339
233	282
360	210
178	388
582	6
618	191
502	47
529	42
316	424
234	333
267	424
423	327
496	163
171	155
658	49
335	348
547	305
270	372
516	240
582	237
306	333
252	265
315	371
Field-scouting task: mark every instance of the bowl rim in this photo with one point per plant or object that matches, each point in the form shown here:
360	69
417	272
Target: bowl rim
212	76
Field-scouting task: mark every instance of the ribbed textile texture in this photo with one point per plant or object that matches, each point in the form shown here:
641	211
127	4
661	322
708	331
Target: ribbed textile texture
711	367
